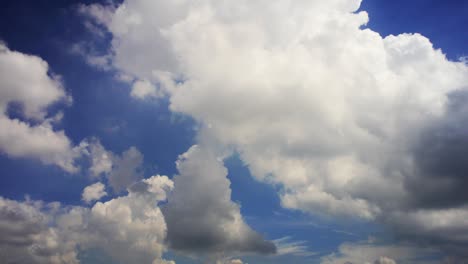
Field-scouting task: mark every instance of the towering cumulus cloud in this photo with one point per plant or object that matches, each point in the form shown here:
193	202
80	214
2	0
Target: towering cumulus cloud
200	215
313	101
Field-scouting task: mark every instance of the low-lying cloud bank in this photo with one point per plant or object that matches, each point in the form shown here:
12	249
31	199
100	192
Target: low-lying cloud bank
198	218
129	228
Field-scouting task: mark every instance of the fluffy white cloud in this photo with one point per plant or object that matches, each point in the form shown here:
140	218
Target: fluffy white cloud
288	246
129	228
130	222
144	89
101	159
93	192
25	80
309	98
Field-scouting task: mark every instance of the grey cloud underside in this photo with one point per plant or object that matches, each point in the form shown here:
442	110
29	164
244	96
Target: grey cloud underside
200	216
441	156
437	199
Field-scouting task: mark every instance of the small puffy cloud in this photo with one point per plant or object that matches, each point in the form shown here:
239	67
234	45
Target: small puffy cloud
91	57
26	80
144	89
200	215
127	169
101	159
158	186
121	170
384	260
93	192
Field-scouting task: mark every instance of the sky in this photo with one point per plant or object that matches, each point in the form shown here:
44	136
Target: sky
233	132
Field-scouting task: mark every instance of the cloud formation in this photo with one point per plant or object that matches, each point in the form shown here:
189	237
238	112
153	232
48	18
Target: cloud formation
129	228
93	192
120	170
200	215
26	81
313	101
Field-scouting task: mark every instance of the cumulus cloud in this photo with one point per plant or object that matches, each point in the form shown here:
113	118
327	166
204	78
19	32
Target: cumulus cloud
121	170
93	192
101	159
127	169
313	101
129	228
200	215
26	80
26	236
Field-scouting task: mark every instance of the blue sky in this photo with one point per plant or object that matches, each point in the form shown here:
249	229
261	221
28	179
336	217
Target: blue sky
103	108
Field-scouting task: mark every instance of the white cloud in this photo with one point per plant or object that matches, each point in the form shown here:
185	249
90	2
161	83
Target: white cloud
92	57
144	89
93	192
130	229
25	80
121	170
101	159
